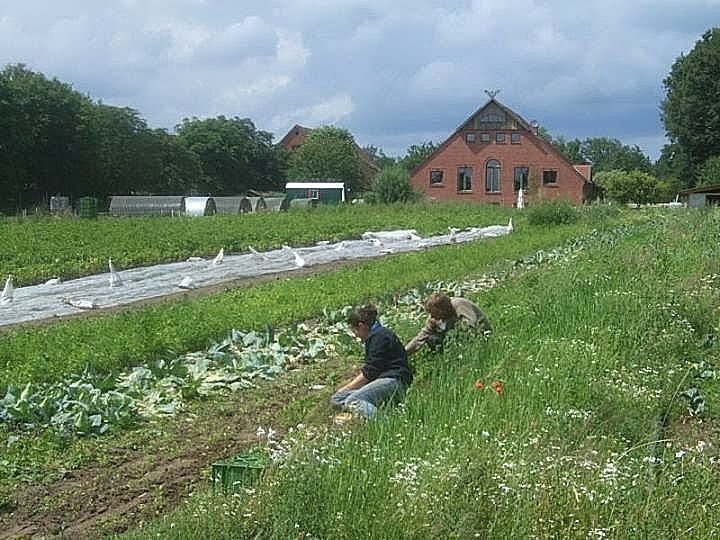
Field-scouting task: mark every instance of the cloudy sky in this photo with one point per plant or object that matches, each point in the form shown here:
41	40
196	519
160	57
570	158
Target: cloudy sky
394	73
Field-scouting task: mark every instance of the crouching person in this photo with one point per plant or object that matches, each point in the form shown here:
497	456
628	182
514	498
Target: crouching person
444	314
386	373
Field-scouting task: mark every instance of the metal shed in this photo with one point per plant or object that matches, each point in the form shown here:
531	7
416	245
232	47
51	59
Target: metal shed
277	203
232	205
702	196
199	206
324	192
257	203
140	205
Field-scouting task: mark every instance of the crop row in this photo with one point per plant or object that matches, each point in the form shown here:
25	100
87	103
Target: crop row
113	342
37	249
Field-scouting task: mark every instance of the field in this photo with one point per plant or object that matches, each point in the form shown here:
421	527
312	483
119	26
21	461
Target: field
590	412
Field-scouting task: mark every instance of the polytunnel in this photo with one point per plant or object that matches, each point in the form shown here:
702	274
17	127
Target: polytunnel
277	203
257	203
147	205
303	203
232	205
199	206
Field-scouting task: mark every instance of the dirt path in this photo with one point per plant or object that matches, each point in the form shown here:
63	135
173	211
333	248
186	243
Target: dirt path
154	468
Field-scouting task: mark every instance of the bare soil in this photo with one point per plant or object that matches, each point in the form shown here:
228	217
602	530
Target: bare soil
152	469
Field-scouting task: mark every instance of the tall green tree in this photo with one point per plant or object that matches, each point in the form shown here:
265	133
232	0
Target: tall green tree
606	154
709	172
233	154
691	108
328	153
416	154
46	150
378	155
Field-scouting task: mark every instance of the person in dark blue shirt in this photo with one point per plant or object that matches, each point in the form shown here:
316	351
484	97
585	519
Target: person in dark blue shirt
386	373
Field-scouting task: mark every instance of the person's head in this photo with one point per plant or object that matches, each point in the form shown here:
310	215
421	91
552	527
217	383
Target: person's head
361	320
439	307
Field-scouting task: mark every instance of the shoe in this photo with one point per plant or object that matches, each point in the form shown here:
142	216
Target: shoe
343	418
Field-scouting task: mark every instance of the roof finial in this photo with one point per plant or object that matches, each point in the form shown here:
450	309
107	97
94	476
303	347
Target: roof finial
492	93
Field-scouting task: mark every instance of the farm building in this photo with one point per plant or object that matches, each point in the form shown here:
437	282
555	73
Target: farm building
139	205
702	196
232	205
295	138
324	192
200	206
492	155
277	203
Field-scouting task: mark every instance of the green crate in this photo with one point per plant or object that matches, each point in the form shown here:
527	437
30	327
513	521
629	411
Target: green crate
240	472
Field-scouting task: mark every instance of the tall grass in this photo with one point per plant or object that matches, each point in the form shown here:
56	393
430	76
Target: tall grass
591	436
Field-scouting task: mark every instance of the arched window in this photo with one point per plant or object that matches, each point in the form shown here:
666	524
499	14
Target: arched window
492	176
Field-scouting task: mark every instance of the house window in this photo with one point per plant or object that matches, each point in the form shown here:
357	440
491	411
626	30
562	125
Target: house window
492	176
485	137
492	118
520	178
515	137
464	179
436	177
549	177
313	194
500	137
469	138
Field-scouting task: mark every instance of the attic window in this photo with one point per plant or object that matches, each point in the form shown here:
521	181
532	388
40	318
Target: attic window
515	137
469	138
485	137
500	137
492	118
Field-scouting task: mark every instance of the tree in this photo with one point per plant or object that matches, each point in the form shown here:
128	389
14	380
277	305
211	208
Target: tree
46	149
416	154
233	154
624	187
691	108
606	154
709	172
392	185
377	155
328	153
674	164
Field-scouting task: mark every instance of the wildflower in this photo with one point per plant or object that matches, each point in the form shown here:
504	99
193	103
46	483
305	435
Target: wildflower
498	386
479	385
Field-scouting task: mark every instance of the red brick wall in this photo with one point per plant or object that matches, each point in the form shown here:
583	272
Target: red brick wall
531	152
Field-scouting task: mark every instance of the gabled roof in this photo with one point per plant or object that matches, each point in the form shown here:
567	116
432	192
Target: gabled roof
707	188
524	124
297	128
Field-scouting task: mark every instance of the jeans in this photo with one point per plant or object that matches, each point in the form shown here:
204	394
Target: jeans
366	399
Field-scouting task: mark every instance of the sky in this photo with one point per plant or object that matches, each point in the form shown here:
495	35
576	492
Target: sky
392	72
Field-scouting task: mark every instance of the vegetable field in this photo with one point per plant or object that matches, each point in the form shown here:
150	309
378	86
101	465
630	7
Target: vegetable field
590	412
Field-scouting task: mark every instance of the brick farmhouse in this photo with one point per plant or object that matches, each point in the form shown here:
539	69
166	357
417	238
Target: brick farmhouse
492	155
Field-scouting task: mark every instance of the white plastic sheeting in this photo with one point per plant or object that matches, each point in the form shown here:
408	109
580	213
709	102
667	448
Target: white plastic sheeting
55	299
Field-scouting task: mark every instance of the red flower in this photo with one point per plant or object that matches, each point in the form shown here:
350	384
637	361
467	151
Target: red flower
479	385
498	386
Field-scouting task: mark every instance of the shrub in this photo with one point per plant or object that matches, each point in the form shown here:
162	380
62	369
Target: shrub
555	212
392	185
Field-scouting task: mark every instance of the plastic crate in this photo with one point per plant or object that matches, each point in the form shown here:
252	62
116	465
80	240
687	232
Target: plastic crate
240	472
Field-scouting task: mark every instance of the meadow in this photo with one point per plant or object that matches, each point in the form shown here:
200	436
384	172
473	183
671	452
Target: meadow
590	412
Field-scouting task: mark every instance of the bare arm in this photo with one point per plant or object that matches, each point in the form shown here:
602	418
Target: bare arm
358	382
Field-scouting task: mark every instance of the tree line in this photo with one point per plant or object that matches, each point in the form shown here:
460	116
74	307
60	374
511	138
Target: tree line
57	141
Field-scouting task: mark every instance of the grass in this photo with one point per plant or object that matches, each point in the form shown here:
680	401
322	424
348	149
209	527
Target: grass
590	438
